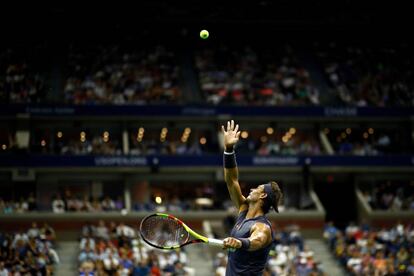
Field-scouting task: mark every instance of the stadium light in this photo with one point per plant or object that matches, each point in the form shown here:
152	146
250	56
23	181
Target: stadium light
269	130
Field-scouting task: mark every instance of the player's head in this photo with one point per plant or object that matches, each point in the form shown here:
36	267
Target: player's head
269	194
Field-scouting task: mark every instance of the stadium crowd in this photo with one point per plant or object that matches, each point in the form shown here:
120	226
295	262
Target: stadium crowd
73	203
163	141
108	73
367	75
30	252
20	81
117	249
365	250
25	204
367	141
249	76
390	195
60	204
121	74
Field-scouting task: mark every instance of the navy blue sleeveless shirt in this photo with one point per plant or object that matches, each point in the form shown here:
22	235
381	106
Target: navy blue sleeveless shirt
243	262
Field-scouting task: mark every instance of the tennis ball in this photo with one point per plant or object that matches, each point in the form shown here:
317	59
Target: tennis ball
204	34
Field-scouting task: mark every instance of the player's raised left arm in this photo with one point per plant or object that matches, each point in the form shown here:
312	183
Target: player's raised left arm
231	173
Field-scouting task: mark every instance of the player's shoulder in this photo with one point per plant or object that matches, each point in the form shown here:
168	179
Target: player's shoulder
262	226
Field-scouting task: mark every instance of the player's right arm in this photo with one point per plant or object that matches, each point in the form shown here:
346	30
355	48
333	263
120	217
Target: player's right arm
231	173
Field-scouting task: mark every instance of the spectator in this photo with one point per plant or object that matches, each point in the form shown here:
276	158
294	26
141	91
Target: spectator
34	231
87	254
108	204
102	231
3	270
58	205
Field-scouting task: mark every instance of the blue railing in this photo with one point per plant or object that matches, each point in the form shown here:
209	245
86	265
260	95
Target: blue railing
33	161
201	111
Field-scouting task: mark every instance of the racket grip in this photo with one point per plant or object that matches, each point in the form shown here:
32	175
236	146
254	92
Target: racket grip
216	242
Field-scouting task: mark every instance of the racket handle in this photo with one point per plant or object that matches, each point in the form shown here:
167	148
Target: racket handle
216	242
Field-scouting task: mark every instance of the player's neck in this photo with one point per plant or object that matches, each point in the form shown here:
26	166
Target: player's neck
255	210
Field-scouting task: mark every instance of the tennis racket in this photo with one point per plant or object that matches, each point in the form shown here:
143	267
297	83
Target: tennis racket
168	232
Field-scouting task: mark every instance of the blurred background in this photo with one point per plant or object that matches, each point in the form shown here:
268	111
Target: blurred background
112	112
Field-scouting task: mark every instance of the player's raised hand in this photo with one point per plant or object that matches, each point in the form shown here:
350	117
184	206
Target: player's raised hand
231	135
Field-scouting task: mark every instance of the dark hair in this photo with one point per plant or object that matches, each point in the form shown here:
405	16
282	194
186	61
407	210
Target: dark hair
277	198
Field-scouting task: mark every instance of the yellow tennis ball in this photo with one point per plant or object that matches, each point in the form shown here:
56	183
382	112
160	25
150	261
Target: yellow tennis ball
204	34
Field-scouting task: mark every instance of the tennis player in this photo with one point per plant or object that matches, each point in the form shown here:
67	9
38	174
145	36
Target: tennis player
252	234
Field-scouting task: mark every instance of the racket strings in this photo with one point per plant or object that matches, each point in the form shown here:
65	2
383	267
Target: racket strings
163	231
